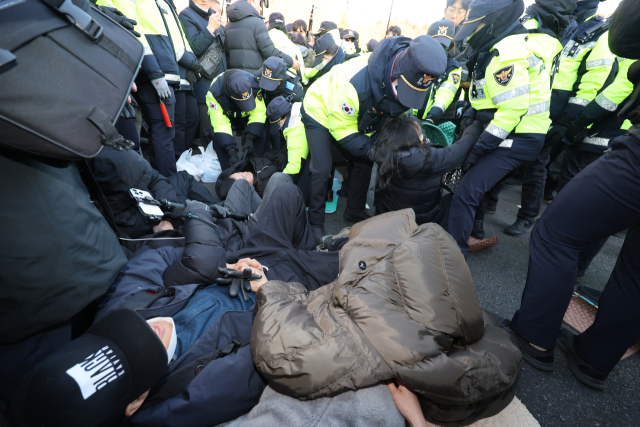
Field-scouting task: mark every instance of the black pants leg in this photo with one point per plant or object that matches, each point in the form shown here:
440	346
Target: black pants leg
206	131
319	141
193	119
533	186
490	198
161	151
574	161
359	180
602	200
479	180
179	144
127	128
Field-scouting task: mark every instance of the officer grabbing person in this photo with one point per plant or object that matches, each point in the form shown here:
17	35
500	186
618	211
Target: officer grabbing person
510	91
236	104
442	93
275	80
349	105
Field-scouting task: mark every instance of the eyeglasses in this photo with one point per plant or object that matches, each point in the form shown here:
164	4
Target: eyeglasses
454	11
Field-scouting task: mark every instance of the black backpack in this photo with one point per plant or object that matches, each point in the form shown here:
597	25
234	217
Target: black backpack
66	70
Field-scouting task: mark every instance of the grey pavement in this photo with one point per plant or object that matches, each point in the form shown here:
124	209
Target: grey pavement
554	398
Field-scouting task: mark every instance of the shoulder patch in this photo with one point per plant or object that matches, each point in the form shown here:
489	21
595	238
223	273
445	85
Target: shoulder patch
456	78
504	75
260	95
347	109
214	106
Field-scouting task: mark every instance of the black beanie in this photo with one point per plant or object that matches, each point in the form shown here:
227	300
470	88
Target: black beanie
90	381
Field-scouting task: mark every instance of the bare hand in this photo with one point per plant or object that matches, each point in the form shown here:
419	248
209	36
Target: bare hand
214	22
256	268
296	65
163	225
407	403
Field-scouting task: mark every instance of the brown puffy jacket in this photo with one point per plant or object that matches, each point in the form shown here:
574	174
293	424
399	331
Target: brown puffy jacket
403	306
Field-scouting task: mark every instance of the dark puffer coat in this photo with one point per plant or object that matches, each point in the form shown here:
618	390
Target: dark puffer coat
403	306
247	41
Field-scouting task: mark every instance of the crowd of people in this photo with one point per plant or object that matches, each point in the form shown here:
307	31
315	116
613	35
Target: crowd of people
133	294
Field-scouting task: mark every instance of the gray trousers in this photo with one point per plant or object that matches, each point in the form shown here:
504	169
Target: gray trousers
243	199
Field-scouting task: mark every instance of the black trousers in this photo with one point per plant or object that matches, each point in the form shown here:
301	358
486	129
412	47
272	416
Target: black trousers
573	162
602	200
320	142
492	168
187	120
206	130
535	176
161	152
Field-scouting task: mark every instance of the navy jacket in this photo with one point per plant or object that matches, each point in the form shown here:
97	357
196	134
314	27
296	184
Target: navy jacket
194	22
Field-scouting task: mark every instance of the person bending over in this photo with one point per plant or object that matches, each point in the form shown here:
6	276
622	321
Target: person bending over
410	169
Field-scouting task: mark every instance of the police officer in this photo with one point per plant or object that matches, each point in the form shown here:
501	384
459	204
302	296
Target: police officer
282	42
285	120
327	27
236	103
328	53
348	44
602	200
353	101
276	81
585	65
510	91
441	95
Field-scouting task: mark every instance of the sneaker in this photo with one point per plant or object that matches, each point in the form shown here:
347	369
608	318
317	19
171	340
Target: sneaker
352	215
329	197
327	242
580	368
542	360
548	195
519	227
344	190
478	229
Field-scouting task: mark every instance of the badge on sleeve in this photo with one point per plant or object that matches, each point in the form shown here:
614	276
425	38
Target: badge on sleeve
213	106
456	78
504	75
348	109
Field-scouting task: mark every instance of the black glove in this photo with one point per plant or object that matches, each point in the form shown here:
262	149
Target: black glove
239	281
192	77
128	112
219	211
233	157
578	130
473	130
118	16
470	161
464	122
555	135
198	69
191	206
248	143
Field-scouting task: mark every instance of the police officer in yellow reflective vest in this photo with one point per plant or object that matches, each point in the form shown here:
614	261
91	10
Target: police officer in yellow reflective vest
285	119
441	95
510	91
236	103
350	103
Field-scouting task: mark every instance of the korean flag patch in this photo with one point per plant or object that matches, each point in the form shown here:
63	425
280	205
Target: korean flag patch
213	106
347	109
504	75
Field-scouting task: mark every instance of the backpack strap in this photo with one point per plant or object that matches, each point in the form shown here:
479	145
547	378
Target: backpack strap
78	17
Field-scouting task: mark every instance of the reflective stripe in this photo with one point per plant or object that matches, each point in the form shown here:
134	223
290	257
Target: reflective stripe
496	131
439	105
603	142
600	63
180	54
533	61
184	82
148	51
510	94
602	101
538	108
448	86
507	143
480	83
172	77
578	101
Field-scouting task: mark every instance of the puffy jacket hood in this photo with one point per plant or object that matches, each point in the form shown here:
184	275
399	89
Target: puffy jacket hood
240	10
410	162
403	307
554	16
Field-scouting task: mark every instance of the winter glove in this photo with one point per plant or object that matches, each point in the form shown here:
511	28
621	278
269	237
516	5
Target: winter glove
119	17
219	211
233	157
192	77
578	130
128	112
238	281
470	161
248	143
193	205
162	87
555	135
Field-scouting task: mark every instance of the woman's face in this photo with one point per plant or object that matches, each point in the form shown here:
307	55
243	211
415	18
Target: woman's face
455	13
243	175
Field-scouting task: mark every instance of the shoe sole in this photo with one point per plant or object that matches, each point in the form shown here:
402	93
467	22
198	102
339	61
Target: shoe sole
541	366
580	376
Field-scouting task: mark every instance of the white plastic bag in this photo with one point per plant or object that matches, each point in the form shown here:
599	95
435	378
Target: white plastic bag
211	165
193	164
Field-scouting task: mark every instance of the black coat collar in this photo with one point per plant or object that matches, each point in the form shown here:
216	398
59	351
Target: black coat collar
199	11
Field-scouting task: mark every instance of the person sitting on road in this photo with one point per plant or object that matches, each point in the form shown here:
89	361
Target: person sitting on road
410	169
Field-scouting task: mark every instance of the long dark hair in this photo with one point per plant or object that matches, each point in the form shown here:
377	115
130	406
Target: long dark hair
298	39
399	133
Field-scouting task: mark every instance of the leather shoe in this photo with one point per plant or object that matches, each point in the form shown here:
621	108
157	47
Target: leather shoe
352	215
580	368
519	227
541	360
478	229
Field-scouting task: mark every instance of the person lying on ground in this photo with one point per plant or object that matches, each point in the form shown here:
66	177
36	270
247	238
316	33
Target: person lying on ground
410	169
258	171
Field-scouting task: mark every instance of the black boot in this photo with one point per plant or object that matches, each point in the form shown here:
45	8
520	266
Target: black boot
580	368
539	359
352	215
518	228
344	190
478	229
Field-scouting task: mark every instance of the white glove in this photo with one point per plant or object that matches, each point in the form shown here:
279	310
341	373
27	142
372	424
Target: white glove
162	87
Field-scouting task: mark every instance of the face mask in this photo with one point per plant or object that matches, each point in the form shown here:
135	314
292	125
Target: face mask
173	342
348	47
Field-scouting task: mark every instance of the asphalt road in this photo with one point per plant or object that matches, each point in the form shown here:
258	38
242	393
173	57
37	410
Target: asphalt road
554	398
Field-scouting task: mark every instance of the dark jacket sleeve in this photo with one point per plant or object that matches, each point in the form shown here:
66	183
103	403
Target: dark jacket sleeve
203	254
199	40
449	158
265	44
159	186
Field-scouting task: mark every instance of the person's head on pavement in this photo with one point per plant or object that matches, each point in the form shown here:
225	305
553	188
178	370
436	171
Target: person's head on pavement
277	113
393	31
487	20
443	31
241	91
325	49
415	69
325	27
102	375
456	10
276	20
273	73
